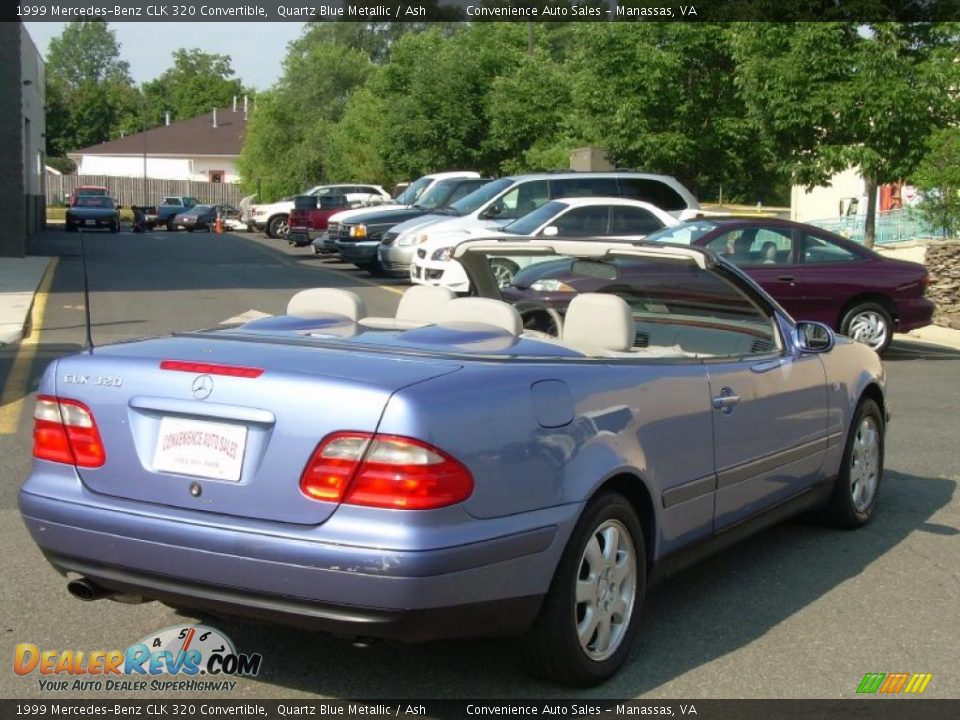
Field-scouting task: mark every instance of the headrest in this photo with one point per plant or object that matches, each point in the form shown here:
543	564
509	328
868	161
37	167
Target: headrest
599	320
327	301
422	303
482	311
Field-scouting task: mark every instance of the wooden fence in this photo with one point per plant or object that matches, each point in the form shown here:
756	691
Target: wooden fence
130	190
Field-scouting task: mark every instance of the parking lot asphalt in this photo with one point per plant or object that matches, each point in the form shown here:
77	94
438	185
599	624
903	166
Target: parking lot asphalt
797	611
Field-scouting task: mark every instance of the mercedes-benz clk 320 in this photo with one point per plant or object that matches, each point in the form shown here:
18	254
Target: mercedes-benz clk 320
468	467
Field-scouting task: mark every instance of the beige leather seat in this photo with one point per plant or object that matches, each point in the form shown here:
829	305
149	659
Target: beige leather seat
419	306
482	311
317	302
598	324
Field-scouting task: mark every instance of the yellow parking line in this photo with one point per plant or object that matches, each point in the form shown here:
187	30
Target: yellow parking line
17	388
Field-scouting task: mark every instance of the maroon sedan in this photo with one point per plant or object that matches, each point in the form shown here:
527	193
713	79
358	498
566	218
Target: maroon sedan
816	275
812	273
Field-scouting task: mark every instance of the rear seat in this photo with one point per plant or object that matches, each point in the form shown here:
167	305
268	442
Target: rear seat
317	302
419	306
482	311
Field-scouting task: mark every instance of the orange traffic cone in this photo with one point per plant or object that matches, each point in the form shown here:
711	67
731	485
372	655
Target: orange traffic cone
218	225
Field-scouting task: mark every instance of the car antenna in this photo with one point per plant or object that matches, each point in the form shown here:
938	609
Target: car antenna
86	292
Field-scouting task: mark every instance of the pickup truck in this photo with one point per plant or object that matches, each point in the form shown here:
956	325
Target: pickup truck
164	214
309	216
273	218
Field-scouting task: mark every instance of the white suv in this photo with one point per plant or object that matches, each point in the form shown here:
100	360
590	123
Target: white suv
507	199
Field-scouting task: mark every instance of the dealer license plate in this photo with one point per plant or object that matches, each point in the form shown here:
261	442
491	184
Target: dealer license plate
200	448
89	222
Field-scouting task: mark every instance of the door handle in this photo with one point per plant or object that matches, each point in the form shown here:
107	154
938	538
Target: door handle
726	401
785	278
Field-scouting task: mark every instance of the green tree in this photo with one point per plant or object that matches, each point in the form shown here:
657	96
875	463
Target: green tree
660	97
352	150
287	133
938	176
197	82
437	90
836	95
90	96
529	111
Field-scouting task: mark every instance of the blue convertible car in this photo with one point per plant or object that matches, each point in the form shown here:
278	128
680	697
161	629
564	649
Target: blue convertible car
468	467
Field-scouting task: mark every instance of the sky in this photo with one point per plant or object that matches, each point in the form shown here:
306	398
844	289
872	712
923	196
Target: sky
256	50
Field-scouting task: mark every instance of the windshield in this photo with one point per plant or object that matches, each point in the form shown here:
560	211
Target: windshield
437	195
684	234
94	201
413	192
481	196
528	224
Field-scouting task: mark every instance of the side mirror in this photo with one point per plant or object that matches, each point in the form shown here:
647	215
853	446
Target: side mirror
550	231
491	212
814	337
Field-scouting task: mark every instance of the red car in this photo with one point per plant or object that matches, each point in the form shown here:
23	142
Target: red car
309	216
816	275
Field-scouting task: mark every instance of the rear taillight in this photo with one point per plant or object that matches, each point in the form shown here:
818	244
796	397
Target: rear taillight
386	471
64	431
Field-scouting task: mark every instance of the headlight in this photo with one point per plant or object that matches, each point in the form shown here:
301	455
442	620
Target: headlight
442	254
358	231
404	239
550	286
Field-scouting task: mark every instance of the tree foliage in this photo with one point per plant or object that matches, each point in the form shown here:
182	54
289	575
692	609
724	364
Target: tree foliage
196	83
661	97
286	137
938	176
90	95
835	95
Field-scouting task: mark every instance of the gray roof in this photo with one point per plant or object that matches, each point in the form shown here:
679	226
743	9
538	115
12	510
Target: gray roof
196	136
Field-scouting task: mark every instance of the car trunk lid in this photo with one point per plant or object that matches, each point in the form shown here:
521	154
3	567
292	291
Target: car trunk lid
188	435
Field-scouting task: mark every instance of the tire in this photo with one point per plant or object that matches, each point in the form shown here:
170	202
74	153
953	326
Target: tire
171	227
277	227
855	490
870	324
503	270
552	647
115	227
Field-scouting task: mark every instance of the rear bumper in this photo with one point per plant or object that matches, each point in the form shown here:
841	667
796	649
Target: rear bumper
306	575
482	619
914	313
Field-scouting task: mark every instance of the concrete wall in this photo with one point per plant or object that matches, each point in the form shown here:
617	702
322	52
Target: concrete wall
827	202
33	100
160	168
12	205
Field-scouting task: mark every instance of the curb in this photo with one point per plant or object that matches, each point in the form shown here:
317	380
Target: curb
16	307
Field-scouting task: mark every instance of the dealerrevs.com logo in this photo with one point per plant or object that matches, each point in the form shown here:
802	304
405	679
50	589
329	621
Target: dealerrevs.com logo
182	651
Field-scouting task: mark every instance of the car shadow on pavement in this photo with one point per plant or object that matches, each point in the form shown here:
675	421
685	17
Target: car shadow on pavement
698	616
45	353
904	350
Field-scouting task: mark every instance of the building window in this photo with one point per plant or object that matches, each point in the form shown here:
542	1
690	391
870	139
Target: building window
216	176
